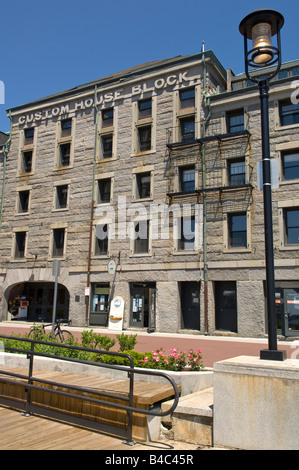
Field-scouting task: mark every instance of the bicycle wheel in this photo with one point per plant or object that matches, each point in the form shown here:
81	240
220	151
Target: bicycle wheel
36	333
63	336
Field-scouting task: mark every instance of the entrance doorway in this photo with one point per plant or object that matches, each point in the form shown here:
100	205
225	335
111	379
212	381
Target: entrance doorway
190	305
226	306
287	310
143	305
40	297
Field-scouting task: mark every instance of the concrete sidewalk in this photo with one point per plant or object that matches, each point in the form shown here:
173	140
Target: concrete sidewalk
214	348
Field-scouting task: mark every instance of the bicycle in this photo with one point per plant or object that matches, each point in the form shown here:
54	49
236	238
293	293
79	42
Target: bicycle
37	331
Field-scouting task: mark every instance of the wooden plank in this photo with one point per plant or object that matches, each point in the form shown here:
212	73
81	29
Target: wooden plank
145	395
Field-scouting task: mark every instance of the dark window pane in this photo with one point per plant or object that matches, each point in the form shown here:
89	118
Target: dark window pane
143	185
145	108
107	117
61	197
101	245
107	144
187	179
236	172
187	238
289	113
27	162
238	230
23	201
292	226
235	122
66	127
187	98
20	241
64	154
141	242
290	163
29	134
187	129
58	242
104	187
145	135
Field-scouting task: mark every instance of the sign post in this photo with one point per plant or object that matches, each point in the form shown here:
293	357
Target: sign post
56	272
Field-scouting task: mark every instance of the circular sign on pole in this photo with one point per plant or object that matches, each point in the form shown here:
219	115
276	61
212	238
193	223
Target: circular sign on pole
111	267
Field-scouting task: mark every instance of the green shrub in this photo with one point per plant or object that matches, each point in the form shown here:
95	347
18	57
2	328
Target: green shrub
92	340
126	342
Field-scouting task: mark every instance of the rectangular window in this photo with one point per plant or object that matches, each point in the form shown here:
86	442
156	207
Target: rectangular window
144	138
61	198
107	145
187	98
289	113
141	241
290	165
23	202
66	127
186	241
20	244
187	179
236	172
26	163
28	136
101	241
58	242
237	228
145	108
187	128
291	221
143	185
104	190
107	117
235	121
64	154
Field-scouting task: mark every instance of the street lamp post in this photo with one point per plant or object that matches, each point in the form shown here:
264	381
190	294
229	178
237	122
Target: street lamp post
260	27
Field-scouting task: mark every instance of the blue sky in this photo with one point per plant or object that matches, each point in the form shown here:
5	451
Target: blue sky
51	46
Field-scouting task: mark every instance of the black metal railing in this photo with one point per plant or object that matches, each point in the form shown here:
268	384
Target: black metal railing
31	381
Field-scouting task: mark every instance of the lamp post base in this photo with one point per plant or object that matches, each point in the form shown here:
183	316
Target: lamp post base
273	355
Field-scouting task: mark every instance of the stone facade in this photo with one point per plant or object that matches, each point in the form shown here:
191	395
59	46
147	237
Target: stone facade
109	154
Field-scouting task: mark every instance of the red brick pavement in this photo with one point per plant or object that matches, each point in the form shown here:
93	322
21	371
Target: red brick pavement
213	348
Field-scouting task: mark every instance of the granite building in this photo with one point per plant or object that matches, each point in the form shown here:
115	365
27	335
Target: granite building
146	185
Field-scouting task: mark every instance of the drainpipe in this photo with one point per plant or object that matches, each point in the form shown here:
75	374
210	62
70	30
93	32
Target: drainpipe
205	271
6	148
87	298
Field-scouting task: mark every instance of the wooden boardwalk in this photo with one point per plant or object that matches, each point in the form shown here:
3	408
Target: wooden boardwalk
38	433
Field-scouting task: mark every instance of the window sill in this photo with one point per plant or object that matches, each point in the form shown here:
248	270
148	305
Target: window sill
142	199
107	159
289	248
278	127
145	152
20	260
140	255
286	182
20	214
236	250
185	252
24	175
61	168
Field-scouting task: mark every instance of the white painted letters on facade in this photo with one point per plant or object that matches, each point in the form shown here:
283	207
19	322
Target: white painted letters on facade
111	97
